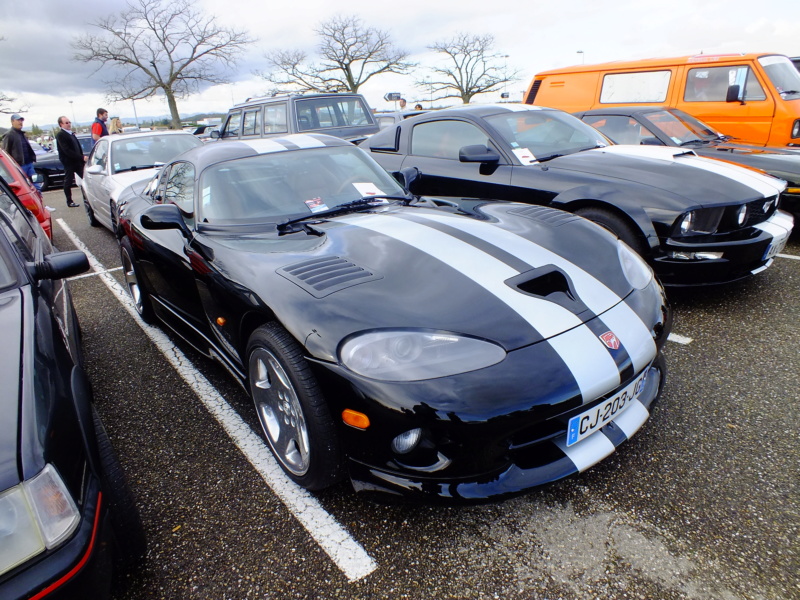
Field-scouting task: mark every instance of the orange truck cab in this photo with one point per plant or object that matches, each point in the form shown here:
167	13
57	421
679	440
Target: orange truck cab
753	97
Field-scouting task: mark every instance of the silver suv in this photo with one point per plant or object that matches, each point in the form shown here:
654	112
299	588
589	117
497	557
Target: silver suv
347	116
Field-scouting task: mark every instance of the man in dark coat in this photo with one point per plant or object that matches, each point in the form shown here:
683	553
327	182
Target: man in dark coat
18	146
71	155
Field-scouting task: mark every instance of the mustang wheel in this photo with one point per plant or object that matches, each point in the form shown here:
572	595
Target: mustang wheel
89	212
141	299
293	414
615	225
45	181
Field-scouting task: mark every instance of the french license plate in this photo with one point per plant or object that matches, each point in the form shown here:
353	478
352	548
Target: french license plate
775	248
586	423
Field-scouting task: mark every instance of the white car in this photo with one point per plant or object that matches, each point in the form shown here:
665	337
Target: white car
118	161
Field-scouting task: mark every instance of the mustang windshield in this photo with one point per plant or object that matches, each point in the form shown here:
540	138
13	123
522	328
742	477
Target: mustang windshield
543	134
681	128
278	186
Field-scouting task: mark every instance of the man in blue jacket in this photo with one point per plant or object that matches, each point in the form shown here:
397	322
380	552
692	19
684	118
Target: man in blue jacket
18	146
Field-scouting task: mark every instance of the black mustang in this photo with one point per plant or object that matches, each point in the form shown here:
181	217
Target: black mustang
421	349
663	126
695	220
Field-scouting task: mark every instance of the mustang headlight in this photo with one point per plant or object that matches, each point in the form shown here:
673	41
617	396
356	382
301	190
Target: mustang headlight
637	271
37	514
401	355
702	220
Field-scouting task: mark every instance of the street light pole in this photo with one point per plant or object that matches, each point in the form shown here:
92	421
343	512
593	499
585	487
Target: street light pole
135	116
583	59
72	106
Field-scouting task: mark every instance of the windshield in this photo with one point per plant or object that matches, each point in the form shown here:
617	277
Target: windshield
680	127
146	151
280	185
542	134
783	75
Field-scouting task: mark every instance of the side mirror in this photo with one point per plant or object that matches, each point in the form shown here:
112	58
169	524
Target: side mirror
94	170
215	134
60	265
732	94
408	177
165	216
651	141
478	154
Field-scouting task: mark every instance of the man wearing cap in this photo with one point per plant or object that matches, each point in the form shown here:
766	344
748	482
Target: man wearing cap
18	146
71	155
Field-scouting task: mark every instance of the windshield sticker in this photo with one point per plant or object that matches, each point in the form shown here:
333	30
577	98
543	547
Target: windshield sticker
117	167
524	155
367	189
316	205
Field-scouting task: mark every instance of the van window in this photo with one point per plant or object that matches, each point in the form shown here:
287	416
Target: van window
231	128
275	118
252	122
629	88
444	139
710	84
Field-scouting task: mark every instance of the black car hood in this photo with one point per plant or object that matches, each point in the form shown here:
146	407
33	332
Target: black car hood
676	171
10	366
783	164
537	275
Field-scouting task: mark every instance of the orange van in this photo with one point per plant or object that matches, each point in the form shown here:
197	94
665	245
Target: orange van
754	97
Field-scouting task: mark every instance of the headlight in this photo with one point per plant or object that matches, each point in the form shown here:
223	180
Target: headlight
37	514
796	129
637	271
393	355
702	220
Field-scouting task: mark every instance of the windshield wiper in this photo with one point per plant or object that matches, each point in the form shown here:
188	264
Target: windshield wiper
136	168
355	205
695	141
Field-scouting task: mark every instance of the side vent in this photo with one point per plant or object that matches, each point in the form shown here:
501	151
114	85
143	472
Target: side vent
544	214
321	277
549	283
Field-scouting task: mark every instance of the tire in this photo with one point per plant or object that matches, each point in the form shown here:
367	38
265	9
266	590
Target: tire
89	212
140	296
294	416
130	544
615	224
45	181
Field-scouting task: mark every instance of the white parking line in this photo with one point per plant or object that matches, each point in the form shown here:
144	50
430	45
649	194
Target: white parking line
95	273
789	256
343	550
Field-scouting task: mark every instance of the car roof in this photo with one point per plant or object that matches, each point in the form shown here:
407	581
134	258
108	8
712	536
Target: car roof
622	110
138	134
485	110
263	99
224	150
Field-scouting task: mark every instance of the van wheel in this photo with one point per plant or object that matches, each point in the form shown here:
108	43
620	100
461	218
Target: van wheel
615	224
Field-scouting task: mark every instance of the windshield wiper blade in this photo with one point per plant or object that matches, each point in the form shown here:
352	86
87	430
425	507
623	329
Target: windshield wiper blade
695	141
354	205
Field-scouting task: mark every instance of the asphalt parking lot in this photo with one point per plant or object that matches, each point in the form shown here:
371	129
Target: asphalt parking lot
702	504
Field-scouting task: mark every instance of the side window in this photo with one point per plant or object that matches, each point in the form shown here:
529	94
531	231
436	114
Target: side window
17	227
100	154
179	187
252	122
232	125
710	84
619	129
443	139
629	88
275	118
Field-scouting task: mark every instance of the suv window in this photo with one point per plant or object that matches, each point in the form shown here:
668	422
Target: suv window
231	128
275	118
252	122
317	113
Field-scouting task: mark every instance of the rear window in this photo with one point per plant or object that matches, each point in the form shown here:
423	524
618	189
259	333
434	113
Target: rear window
322	113
632	88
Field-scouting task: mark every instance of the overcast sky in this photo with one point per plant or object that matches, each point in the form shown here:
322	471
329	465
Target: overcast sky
36	66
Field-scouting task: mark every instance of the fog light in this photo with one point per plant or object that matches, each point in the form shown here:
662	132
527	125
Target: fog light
741	216
406	442
696	255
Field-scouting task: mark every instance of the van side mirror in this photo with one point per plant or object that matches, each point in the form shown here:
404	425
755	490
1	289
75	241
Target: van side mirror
733	94
479	154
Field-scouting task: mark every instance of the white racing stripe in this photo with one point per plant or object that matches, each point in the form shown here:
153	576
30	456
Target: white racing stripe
584	354
344	551
598	297
632	418
764	185
263	146
588	451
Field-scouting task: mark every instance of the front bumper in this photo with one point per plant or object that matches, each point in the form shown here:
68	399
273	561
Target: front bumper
80	568
743	254
528	466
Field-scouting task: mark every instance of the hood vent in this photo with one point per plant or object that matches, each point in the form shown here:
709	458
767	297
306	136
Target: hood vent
321	277
544	214
549	283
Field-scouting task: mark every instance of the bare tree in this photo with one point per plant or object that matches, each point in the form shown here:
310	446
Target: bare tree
475	69
158	45
5	100
351	54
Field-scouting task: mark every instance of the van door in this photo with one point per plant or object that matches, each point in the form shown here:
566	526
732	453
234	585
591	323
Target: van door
704	93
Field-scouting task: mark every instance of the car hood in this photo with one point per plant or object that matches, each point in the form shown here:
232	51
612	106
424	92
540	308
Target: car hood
702	181
514	274
783	164
126	178
11	325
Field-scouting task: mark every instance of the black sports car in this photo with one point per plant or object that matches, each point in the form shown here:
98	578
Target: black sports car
49	167
695	220
423	349
66	513
662	126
